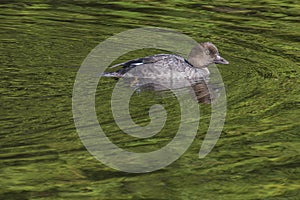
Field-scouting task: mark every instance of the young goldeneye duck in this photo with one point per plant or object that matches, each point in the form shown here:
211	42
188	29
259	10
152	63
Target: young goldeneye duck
195	67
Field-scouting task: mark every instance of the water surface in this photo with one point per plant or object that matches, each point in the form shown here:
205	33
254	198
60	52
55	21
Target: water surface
43	44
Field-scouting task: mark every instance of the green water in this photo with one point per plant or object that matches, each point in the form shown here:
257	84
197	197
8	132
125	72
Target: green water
43	43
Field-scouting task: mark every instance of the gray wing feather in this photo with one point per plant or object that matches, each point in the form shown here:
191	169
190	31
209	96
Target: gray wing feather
159	64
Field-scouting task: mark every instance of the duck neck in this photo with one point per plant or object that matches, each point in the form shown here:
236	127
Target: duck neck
197	57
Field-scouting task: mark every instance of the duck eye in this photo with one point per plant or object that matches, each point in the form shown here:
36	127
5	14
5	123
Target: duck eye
207	52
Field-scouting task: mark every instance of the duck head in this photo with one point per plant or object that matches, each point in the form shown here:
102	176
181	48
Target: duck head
204	54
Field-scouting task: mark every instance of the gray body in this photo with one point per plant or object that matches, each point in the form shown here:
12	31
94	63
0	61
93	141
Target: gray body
168	71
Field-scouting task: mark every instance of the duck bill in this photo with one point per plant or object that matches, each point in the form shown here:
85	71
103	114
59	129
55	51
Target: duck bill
220	60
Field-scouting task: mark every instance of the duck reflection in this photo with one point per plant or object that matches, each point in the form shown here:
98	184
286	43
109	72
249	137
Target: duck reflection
202	91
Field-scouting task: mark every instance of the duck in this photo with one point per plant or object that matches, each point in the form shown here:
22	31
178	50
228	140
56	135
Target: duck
157	66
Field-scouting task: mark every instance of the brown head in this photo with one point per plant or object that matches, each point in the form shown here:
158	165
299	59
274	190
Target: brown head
204	54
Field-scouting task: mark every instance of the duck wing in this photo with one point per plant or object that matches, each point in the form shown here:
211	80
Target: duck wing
159	60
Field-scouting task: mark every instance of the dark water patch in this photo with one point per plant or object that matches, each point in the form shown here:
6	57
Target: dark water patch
23	194
96	174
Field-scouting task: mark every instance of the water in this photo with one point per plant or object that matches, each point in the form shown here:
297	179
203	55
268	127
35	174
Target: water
44	43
